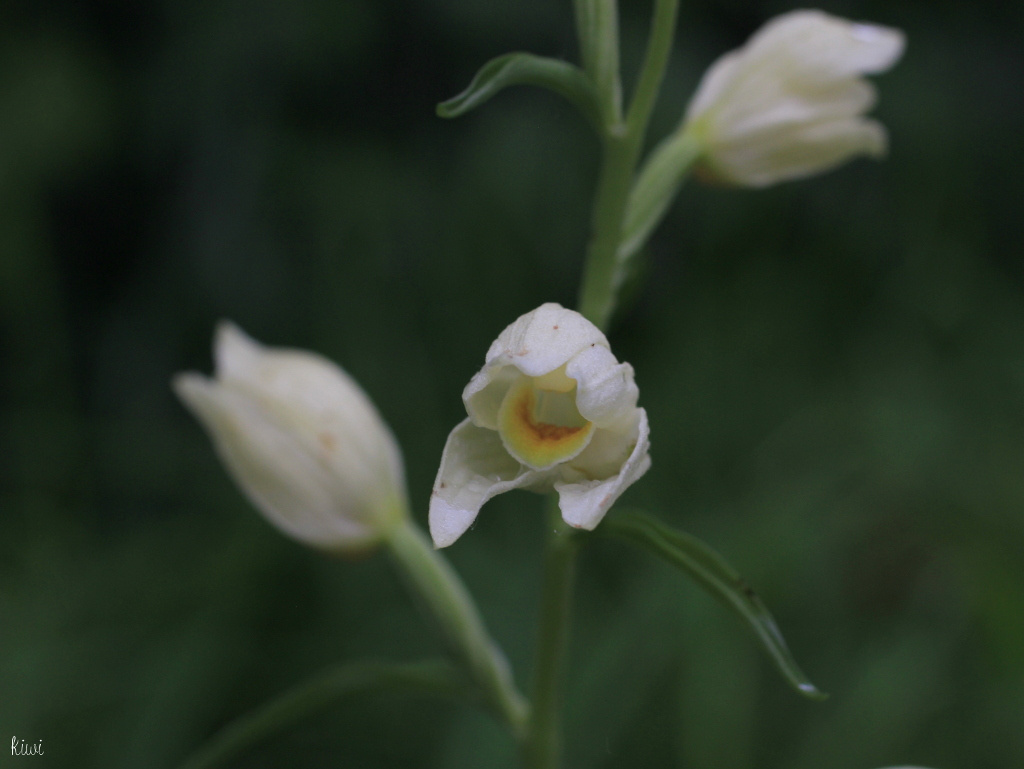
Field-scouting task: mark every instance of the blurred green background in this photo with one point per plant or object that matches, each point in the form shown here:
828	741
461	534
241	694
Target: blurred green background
834	371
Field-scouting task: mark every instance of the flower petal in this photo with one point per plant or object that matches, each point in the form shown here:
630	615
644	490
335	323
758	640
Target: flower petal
485	392
789	102
719	76
605	387
808	150
474	467
607	452
274	466
789	109
236	355
318	399
584	503
535	344
814	44
542	340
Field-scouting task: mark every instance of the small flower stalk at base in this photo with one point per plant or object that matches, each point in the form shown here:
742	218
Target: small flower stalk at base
790	102
302	441
551	409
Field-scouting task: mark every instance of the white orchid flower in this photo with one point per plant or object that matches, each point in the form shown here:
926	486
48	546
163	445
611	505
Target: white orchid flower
551	409
789	103
301	439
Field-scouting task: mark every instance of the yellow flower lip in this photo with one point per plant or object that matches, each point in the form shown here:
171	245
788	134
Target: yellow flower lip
539	423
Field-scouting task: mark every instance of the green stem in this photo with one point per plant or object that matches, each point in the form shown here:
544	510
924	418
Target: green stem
659	48
602	276
445	597
318	693
597	27
542	749
655	188
623	142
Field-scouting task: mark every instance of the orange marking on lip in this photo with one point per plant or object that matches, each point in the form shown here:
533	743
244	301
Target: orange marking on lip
533	442
543	431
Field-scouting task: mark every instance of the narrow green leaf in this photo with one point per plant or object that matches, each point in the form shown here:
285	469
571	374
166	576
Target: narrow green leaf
712	572
319	692
559	76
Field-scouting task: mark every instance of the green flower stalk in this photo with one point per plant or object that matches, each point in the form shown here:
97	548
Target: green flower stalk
307	447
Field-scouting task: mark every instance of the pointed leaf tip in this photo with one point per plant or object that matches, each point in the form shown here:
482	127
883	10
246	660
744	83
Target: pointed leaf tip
712	572
520	68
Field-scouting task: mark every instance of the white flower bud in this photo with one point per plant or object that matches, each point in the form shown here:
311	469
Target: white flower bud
551	409
301	439
790	102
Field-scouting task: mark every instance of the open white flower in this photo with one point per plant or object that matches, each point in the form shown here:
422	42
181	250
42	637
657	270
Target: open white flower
551	409
790	102
301	439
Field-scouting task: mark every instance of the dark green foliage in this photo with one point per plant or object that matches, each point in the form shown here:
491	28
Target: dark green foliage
833	369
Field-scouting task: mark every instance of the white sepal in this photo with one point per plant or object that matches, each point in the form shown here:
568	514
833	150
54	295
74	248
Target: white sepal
474	467
790	102
301	439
